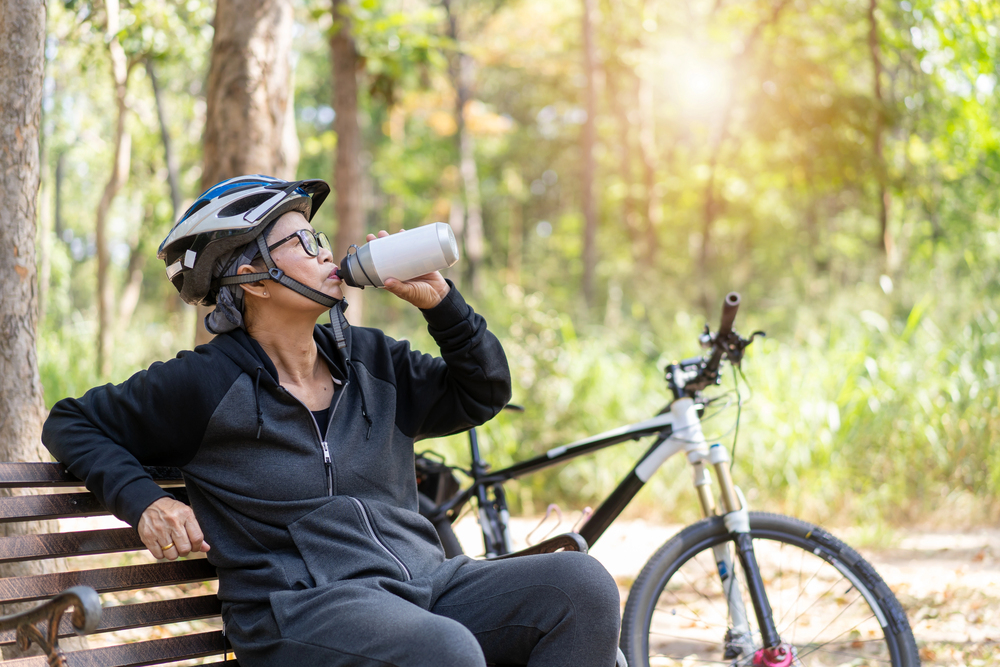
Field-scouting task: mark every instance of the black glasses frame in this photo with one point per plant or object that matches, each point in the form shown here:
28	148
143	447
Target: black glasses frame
310	240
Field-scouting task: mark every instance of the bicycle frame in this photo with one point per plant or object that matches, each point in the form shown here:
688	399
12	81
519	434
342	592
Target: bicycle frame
677	428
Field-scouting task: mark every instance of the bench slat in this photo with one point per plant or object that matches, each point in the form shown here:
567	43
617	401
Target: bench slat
58	545
61	506
106	580
40	475
138	654
49	506
128	616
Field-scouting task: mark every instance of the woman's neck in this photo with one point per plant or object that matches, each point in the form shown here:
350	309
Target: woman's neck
292	350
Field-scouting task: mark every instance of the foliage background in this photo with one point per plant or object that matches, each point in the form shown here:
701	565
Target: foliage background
736	149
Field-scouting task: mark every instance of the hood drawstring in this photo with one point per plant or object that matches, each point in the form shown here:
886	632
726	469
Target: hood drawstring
364	406
256	398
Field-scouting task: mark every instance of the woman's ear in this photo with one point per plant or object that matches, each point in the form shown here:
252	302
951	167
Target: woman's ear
256	288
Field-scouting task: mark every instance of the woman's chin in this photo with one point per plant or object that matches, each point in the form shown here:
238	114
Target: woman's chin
336	292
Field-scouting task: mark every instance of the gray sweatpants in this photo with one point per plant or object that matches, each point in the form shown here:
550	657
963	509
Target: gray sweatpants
548	610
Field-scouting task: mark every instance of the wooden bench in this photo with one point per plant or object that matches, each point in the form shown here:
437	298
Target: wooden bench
80	588
62	590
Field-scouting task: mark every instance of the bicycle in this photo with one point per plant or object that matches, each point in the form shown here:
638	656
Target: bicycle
737	587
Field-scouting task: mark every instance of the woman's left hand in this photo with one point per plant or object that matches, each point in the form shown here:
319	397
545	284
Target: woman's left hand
424	291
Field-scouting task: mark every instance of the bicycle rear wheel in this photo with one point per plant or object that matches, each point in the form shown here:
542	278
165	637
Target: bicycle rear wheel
828	603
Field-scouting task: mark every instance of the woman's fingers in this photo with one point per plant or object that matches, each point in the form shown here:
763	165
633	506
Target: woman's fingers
381	233
197	538
169	530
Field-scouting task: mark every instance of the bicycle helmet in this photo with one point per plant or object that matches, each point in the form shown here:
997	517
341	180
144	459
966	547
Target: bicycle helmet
225	229
225	217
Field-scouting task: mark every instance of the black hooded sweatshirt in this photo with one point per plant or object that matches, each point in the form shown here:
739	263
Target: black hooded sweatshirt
285	506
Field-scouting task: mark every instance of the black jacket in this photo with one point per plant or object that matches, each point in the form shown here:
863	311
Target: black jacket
278	516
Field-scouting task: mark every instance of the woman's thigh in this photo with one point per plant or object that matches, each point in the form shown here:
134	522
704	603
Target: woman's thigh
548	609
357	626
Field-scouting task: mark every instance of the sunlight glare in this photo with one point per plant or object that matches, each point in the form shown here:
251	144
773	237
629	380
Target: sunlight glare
702	84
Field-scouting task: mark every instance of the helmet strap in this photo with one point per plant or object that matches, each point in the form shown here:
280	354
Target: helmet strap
278	276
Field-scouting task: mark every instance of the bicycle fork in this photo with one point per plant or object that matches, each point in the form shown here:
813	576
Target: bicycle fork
739	638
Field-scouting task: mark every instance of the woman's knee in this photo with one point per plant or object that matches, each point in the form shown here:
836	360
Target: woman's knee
587	585
440	641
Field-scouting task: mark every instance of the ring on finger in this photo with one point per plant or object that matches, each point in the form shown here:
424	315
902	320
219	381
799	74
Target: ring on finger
167	546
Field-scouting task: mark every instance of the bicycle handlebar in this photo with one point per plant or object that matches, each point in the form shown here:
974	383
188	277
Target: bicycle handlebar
729	307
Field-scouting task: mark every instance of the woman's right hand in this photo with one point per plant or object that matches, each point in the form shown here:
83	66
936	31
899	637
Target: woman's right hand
171	524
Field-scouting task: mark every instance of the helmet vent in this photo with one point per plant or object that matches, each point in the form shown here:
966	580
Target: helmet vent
194	209
243	205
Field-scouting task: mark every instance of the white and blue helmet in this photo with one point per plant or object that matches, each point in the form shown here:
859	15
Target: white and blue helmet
224	218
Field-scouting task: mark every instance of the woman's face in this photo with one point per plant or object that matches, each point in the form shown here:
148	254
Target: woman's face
317	272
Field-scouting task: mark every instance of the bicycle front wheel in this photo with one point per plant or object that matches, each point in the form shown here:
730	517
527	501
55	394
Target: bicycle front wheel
829	605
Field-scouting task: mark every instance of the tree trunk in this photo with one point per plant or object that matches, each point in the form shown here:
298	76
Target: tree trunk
138	253
347	164
650	157
462	70
119	174
474	242
170	157
44	235
616	102
249	91
57	212
887	243
22	35
587	168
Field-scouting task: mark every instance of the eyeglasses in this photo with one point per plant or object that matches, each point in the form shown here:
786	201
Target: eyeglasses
311	241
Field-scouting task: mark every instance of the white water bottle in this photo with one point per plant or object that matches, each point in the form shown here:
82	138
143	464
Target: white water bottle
402	256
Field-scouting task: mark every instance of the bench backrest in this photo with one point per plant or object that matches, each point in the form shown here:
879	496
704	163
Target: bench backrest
148	605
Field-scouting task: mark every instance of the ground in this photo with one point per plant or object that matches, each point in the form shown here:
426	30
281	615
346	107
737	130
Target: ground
948	582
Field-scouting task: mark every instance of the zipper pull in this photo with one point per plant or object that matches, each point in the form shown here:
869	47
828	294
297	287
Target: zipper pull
328	464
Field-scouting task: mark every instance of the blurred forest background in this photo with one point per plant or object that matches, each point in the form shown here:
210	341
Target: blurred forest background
613	168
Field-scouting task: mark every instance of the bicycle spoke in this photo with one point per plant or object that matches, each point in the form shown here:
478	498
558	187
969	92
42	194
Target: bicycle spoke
693	611
686	638
817	600
834	619
689	659
691	619
887	660
781	570
694	588
819	647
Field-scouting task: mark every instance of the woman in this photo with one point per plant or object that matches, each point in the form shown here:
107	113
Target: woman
296	444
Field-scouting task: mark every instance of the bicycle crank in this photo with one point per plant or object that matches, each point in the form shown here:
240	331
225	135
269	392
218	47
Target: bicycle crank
779	656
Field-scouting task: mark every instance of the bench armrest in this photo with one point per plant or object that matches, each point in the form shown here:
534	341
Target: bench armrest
566	541
86	615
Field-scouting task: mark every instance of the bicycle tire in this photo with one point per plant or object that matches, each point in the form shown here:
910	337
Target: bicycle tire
677	609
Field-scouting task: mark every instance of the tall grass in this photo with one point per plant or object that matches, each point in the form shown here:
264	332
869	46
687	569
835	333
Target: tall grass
863	409
877	414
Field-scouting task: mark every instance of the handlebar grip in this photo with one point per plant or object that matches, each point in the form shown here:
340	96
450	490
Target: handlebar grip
729	307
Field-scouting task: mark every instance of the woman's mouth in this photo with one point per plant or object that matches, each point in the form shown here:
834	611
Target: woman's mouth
334	274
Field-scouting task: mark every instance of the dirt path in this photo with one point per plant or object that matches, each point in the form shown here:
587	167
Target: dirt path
948	582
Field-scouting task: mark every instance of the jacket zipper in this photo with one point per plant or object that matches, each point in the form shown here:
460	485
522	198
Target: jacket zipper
371	532
327	460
